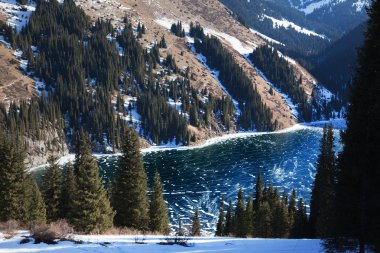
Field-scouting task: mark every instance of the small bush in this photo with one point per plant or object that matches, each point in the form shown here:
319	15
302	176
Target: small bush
25	241
56	231
140	240
9	228
179	240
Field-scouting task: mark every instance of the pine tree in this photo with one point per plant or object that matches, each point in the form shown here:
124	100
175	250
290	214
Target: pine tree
12	180
263	223
300	228
240	219
91	210
357	197
249	216
129	193
220	225
196	225
229	228
292	209
280	221
68	192
258	193
34	204
158	211
322	199
52	190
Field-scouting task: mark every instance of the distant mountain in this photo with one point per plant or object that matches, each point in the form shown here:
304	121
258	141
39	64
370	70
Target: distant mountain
302	28
336	64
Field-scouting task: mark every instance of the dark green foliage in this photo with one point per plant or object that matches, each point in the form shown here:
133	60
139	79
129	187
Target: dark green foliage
129	190
52	190
240	218
177	29
90	210
12	178
267	216
196	225
33	203
220	225
300	228
357	195
255	115
68	191
278	71
20	198
158	210
162	43
263	222
322	197
229	228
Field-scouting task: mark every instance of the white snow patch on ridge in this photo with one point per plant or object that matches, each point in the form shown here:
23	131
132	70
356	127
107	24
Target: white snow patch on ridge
288	24
17	15
263	36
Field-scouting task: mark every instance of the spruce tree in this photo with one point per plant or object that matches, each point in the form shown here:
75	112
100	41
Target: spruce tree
91	210
12	180
52	190
34	204
280	221
358	191
301	224
229	228
68	192
129	192
158	211
263	221
220	225
322	199
196	225
249	216
258	193
292	209
240	219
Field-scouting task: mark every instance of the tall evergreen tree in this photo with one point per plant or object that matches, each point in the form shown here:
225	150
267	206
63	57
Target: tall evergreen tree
68	192
301	224
12	180
34	204
258	192
129	193
52	190
91	209
322	198
196	225
263	221
292	209
249	216
358	192
240	221
229	228
221	224
158	211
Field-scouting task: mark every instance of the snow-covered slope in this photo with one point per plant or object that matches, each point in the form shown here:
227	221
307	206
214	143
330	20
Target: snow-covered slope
104	244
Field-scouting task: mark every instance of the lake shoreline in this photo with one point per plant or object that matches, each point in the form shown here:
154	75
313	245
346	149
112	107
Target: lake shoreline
339	124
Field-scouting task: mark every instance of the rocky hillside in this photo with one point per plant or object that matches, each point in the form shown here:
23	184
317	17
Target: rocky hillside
193	93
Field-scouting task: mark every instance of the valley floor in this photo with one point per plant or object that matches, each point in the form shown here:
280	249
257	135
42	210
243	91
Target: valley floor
114	243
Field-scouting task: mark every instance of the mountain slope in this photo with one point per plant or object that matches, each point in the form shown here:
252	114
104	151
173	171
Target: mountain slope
336	64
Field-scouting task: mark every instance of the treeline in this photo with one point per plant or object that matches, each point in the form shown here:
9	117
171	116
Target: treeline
277	70
254	113
77	194
267	215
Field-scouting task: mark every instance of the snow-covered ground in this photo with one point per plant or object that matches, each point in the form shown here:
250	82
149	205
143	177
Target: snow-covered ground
267	38
119	243
288	24
17	15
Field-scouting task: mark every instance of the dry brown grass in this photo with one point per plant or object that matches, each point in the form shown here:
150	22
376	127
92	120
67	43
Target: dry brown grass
9	228
59	230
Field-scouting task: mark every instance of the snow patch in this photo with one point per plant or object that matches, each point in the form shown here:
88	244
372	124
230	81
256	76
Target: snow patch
17	15
288	24
269	39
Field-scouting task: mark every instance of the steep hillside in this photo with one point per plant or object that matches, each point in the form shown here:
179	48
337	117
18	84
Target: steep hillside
336	64
130	68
